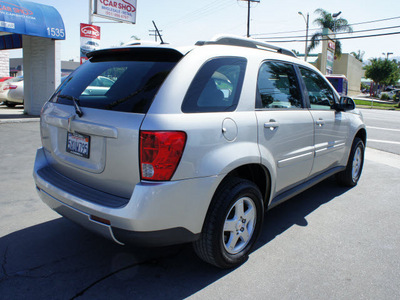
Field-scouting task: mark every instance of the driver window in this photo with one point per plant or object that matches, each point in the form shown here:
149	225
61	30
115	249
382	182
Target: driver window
320	94
277	86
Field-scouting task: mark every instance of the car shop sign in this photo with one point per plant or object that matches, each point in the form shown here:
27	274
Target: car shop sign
118	10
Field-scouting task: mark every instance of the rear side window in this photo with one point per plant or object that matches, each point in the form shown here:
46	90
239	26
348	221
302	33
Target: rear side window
126	83
216	87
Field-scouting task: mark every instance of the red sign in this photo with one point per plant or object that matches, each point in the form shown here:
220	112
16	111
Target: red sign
90	40
90	31
331	45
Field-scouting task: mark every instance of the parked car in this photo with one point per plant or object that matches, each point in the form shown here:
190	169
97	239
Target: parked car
98	87
3	93
391	93
89	46
12	91
2	79
193	145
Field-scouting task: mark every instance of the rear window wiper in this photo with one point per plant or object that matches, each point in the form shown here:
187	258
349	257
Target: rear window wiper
78	110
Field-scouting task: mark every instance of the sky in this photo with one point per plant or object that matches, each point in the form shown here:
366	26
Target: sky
183	22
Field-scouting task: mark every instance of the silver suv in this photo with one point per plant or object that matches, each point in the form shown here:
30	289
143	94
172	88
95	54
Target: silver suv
192	145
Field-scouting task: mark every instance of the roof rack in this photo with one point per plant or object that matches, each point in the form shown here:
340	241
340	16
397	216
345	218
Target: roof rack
234	40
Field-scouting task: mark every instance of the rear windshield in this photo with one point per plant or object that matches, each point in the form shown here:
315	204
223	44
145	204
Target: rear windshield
126	83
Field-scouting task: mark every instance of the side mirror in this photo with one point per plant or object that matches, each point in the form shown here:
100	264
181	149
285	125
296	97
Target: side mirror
345	104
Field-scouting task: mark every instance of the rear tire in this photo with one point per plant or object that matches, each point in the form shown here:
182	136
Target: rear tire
350	176
232	225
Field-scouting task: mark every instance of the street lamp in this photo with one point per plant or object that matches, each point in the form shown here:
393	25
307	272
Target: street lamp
334	16
387	54
305	52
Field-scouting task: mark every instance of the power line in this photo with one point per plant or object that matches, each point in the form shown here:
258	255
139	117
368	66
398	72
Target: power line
374	21
302	30
326	39
201	12
337	33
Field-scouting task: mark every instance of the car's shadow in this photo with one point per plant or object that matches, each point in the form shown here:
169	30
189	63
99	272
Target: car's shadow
59	260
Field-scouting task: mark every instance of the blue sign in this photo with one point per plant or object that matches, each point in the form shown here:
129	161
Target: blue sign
29	18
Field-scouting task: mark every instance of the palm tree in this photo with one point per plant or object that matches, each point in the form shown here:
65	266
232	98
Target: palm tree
358	55
326	20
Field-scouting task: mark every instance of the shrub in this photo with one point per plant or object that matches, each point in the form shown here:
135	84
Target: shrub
384	97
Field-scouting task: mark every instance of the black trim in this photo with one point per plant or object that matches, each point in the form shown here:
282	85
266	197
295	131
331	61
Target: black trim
304	186
159	238
79	190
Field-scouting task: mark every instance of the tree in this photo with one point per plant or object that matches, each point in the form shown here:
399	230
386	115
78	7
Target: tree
383	71
359	55
327	21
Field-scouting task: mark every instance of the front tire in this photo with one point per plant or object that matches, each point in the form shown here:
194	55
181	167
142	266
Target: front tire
350	176
232	225
10	104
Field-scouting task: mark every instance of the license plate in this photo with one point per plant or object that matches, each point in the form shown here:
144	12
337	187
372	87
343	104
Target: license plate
78	144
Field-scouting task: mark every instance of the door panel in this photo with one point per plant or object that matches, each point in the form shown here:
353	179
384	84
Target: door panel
331	127
290	144
285	127
330	138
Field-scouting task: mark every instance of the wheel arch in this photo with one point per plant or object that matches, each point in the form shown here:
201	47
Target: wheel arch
257	174
362	134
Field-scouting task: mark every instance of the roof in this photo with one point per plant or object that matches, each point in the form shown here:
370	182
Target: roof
19	17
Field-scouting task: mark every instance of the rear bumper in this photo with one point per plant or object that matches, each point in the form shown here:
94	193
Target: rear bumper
156	214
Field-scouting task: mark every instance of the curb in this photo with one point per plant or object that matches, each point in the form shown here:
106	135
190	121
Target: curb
22	120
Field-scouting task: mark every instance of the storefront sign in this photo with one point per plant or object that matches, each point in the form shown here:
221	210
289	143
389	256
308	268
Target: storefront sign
90	40
28	18
329	62
118	10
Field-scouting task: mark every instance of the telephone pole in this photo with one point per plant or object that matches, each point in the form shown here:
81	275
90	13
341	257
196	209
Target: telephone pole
248	14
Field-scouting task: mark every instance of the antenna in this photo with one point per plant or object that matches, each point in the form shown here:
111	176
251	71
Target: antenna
158	33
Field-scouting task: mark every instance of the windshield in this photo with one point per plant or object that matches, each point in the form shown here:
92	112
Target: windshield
111	84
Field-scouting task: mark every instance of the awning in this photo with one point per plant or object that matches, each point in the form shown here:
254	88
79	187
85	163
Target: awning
18	17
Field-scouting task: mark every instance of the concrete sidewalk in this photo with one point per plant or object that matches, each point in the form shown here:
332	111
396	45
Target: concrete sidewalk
15	115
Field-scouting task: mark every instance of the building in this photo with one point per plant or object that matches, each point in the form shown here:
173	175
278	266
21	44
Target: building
349	66
16	67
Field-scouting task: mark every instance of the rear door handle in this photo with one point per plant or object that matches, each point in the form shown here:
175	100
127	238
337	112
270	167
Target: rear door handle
272	124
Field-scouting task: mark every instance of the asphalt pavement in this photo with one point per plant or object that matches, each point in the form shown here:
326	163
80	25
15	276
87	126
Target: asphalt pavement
328	242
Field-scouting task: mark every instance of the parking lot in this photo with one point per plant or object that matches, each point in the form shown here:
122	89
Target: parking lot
328	242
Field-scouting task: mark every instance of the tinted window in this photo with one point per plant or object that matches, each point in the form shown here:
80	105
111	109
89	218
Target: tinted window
113	84
216	87
320	93
277	86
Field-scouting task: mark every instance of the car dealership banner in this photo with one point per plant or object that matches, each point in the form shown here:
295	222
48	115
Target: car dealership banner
117	10
90	40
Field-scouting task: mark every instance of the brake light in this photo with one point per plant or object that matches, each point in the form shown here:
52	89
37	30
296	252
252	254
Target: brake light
160	153
9	87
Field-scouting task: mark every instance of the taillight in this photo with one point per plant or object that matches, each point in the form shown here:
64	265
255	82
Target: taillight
160	153
9	87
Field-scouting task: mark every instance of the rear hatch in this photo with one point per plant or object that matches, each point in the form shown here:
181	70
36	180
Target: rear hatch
90	126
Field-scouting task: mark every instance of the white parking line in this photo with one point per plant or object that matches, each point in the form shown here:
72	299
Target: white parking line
382	141
381	128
